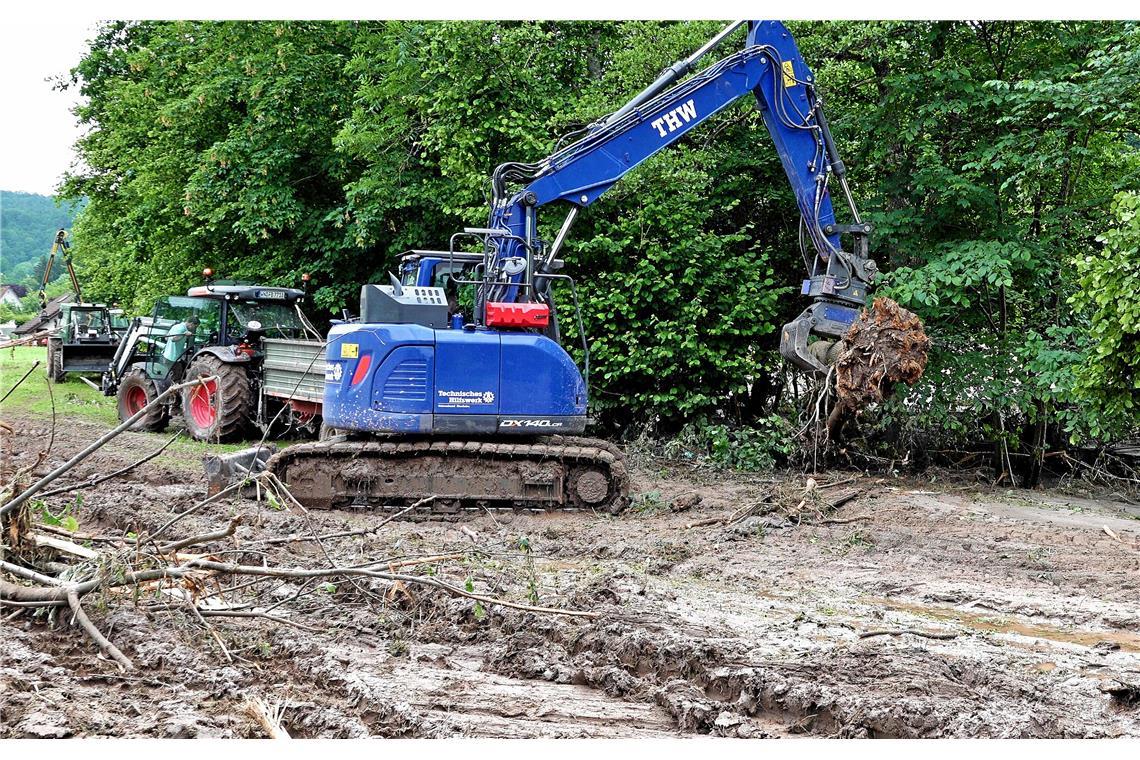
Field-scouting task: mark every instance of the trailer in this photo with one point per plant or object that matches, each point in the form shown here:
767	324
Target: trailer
260	361
292	381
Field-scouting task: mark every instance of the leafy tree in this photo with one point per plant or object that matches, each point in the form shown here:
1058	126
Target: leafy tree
1109	378
986	153
209	145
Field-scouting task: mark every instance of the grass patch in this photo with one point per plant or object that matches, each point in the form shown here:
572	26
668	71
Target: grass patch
74	399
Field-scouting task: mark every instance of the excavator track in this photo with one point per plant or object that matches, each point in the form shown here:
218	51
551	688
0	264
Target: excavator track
463	475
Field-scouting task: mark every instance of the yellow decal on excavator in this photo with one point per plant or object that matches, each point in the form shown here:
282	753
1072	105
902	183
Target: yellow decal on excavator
349	350
789	74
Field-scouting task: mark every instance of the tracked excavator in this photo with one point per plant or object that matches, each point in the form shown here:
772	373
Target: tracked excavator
485	410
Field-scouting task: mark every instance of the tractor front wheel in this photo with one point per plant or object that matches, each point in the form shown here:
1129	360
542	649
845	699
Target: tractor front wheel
217	409
55	361
136	390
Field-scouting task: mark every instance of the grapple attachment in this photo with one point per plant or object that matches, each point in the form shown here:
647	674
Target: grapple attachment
826	319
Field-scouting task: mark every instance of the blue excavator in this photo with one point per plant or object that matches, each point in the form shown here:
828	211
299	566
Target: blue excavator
476	405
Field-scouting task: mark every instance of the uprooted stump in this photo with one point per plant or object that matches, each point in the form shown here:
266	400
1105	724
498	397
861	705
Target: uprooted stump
885	346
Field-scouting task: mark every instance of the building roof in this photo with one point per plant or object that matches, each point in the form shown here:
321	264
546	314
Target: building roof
41	320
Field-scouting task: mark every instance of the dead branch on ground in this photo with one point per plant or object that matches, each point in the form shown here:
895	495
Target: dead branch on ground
804	504
122	471
31	369
39	485
268	718
909	632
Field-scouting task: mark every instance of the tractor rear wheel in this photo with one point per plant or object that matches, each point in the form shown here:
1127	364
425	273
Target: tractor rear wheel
218	409
55	361
136	390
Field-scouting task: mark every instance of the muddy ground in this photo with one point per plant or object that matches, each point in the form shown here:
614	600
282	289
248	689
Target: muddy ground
751	629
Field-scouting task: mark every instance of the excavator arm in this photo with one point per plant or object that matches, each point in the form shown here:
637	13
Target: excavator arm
770	68
61	246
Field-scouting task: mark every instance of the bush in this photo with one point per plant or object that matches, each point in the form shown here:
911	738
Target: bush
760	446
1108	381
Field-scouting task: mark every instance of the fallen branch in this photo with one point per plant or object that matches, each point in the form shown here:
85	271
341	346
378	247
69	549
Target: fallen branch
270	720
909	631
843	520
115	474
212	632
33	338
22	379
69	464
423	560
345	534
27	574
209	500
205	538
63	545
95	635
284	572
207	612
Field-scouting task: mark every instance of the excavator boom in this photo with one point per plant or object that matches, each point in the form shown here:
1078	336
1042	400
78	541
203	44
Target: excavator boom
425	399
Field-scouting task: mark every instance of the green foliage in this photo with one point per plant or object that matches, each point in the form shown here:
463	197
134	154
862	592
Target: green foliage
648	502
761	446
996	147
1109	378
210	145
64	519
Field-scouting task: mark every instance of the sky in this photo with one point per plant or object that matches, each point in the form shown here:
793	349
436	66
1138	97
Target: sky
37	130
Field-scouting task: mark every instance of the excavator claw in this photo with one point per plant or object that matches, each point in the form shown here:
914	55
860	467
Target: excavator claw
794	344
827	319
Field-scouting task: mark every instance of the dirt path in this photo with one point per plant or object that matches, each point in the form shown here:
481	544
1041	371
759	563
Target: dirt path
752	629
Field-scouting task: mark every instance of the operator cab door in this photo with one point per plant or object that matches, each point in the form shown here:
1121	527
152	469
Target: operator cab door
170	340
466	381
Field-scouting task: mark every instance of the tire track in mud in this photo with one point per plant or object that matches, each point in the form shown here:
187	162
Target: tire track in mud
873	690
714	631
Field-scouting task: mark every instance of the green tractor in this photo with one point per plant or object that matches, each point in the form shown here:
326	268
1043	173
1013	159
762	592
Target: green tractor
217	331
87	337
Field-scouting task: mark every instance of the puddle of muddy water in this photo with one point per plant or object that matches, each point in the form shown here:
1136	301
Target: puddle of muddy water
1127	641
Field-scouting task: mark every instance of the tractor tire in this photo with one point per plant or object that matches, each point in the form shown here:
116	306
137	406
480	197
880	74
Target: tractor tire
55	371
218	410
136	390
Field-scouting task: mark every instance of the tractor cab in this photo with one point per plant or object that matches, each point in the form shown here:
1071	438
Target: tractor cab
245	307
179	326
224	314
85	340
85	323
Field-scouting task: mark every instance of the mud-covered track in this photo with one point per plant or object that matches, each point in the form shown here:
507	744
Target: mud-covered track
459	475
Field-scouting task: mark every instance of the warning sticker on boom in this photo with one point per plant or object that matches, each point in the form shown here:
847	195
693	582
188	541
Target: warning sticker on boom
789	74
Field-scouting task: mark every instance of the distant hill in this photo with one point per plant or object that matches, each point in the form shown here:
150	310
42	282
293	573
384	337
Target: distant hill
28	223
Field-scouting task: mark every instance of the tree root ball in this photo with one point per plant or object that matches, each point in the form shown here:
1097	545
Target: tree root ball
886	345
